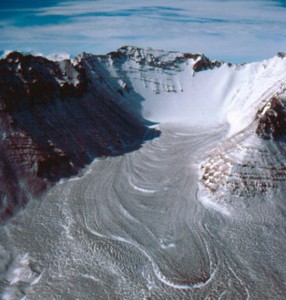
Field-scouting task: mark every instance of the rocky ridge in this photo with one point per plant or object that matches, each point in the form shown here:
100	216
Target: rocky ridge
162	59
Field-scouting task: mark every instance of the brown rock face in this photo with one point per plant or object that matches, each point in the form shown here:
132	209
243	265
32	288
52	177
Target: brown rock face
242	168
272	120
202	62
56	117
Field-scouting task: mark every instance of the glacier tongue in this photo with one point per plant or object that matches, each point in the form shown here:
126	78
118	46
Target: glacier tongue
196	213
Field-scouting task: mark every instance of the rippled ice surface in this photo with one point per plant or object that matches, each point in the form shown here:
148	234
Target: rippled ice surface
132	228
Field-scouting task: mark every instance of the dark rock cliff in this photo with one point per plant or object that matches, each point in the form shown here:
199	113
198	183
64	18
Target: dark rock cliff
272	120
55	119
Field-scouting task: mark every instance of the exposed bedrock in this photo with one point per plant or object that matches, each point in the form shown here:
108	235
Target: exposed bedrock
251	163
55	119
159	58
272	119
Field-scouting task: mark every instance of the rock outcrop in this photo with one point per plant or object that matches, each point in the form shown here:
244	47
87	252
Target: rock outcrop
162	59
251	163
272	119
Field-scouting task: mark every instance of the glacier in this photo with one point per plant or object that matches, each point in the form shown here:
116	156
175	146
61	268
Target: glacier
195	212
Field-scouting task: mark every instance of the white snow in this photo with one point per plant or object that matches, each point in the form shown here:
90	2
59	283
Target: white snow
5	54
58	56
228	94
209	203
22	272
52	56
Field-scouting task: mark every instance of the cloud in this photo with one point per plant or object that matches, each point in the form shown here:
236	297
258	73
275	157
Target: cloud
229	30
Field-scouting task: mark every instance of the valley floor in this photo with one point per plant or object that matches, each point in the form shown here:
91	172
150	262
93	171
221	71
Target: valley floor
133	227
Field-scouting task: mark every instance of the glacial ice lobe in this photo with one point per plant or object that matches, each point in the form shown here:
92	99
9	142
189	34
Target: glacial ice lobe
145	203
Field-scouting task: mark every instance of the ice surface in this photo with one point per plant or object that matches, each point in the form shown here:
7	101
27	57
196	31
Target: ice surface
143	225
229	94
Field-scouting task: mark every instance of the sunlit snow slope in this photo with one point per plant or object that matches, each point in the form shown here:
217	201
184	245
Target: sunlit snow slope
175	91
195	213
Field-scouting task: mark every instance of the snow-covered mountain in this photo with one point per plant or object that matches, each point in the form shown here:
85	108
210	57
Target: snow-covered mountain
198	153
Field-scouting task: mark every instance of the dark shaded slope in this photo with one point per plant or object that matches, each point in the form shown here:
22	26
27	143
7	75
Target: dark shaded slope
55	119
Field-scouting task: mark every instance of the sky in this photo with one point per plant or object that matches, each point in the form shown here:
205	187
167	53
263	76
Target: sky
230	30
